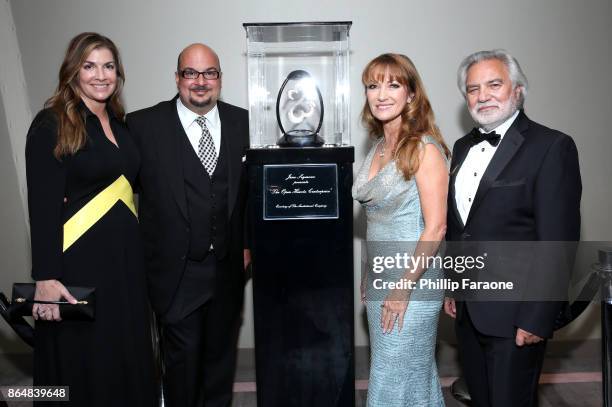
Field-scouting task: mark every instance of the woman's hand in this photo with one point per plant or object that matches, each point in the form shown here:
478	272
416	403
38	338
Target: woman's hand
394	308
50	290
362	291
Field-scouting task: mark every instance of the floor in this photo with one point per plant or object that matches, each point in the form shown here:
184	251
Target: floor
571	375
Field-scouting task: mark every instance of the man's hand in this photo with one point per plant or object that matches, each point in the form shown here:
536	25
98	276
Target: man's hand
526	338
450	308
247	258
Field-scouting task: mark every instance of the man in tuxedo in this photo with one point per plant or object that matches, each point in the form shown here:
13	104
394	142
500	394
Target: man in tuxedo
512	180
191	207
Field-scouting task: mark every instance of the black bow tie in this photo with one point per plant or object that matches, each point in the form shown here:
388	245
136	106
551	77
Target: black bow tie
476	137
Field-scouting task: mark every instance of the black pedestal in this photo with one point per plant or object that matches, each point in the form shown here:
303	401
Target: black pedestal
302	276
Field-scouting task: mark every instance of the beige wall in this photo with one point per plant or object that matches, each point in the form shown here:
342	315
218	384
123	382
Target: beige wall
563	46
14	119
14	245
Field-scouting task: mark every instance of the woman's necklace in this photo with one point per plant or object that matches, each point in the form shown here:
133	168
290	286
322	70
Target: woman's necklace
382	149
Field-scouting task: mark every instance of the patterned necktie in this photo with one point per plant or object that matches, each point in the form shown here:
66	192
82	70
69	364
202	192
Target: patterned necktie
206	147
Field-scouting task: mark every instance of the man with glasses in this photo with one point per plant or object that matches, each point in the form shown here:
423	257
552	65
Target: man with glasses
192	197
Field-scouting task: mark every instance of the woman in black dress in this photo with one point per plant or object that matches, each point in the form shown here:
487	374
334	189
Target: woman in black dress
80	163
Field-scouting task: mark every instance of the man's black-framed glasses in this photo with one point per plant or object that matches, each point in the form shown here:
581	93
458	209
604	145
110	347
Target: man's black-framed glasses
193	74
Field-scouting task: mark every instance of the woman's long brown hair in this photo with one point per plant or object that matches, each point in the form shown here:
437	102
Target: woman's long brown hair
71	134
417	116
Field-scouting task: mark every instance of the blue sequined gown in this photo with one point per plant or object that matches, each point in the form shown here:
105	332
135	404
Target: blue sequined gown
403	369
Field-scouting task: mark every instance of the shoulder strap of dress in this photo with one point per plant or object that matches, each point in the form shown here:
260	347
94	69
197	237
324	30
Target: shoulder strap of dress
427	139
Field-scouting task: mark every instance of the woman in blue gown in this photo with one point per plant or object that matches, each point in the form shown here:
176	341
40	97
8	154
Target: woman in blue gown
402	186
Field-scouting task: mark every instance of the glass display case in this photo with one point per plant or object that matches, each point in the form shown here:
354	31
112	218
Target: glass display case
298	81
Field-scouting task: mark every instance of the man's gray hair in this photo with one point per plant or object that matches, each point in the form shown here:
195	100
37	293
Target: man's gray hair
517	76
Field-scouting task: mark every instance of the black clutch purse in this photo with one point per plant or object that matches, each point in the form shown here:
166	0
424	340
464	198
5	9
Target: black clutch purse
85	310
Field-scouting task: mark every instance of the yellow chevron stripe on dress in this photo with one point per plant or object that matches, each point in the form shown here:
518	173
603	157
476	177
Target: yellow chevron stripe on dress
94	210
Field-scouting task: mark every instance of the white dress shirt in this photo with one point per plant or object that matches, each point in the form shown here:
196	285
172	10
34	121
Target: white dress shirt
473	167
193	129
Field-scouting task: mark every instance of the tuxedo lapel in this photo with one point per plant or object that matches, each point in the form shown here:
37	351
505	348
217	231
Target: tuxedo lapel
461	152
234	162
170	155
512	141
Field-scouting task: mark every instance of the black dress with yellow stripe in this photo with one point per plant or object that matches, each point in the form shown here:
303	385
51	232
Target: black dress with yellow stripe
84	232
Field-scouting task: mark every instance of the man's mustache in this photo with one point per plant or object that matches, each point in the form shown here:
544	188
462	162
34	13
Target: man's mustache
483	105
200	87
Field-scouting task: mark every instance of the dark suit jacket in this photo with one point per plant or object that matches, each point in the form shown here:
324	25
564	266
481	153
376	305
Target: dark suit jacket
529	192
162	205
